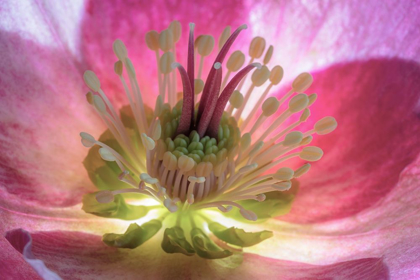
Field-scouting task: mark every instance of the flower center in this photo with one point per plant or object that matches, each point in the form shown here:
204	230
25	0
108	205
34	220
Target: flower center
191	155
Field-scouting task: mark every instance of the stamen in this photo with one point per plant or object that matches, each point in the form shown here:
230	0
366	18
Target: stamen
269	107
204	47
325	125
234	63
311	153
302	170
224	36
276	75
258	78
268	55
166	40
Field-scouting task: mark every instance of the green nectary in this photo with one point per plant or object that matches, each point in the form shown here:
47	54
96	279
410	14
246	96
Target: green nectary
200	149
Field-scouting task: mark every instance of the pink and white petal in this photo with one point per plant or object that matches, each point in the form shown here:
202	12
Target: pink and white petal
16	213
46	23
21	240
106	21
13	265
314	34
390	229
43	110
84	256
376	106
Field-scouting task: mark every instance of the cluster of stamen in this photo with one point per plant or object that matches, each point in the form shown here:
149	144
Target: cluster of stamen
192	155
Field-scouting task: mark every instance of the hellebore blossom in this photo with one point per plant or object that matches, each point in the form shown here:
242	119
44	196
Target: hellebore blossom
191	159
196	176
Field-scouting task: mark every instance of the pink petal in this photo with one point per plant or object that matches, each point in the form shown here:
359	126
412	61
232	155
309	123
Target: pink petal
315	34
43	110
390	229
12	263
106	21
21	240
376	106
77	255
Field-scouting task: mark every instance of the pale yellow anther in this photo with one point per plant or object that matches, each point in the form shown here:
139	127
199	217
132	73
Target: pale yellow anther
148	179
276	75
293	138
257	46
172	207
220	168
233	152
198	86
157	131
261	197
224	36
166	40
305	115
302	82
104	197
248	168
89	97
198	180
99	104
236	99
92	80
165	62
87	139
119	49
235	61
307	140
152	40
118	67
158	105
325	125
185	163
148	142
161	149
176	29
170	161
302	170
270	106
197	40
268	55
284	174
283	186
205	45
298	103
312	98
245	141
106	155
260	76
204	169
130	68
311	153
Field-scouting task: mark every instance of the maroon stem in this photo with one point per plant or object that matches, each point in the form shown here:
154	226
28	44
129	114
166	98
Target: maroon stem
190	70
211	76
188	103
213	128
211	103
